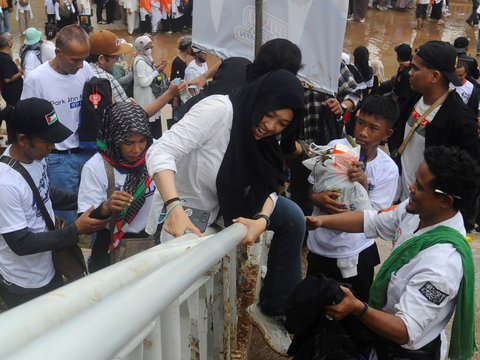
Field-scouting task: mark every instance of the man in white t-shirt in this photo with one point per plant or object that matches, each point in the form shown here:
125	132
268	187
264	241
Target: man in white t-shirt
26	267
467	91
449	124
430	272
61	82
195	68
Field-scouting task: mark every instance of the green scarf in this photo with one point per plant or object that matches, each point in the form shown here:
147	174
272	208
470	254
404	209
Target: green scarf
462	342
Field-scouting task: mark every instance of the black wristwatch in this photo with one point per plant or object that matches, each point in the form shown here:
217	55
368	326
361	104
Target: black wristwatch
262	216
344	107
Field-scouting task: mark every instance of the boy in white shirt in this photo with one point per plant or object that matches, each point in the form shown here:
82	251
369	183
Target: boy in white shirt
351	258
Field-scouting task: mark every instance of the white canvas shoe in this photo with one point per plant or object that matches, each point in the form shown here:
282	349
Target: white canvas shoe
273	331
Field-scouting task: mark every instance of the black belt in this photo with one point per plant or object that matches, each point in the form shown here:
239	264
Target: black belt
69	151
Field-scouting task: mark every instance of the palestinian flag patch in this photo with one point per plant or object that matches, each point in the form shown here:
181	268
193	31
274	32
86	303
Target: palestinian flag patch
51	118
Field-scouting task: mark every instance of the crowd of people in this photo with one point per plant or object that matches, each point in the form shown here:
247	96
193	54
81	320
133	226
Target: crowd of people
236	140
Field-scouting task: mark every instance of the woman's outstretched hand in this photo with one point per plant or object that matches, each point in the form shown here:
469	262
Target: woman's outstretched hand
254	227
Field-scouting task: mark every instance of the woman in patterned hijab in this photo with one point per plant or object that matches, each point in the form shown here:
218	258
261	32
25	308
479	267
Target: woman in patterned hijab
123	140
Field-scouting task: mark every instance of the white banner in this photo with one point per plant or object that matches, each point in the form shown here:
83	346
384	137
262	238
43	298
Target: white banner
226	28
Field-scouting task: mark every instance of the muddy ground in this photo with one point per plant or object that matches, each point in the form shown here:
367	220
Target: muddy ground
381	32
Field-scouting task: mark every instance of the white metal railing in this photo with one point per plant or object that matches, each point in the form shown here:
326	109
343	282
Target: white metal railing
174	301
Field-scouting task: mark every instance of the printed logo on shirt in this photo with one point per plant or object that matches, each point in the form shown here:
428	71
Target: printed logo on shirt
416	115
432	293
75	104
391	208
151	189
73	101
398	233
51	118
44	190
371	187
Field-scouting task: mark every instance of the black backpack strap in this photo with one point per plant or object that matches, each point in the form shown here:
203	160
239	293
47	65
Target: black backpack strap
14	164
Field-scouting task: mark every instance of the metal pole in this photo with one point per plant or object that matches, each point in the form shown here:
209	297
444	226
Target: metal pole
117	319
258	25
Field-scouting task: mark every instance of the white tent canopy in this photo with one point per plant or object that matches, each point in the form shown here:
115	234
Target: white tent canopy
226	28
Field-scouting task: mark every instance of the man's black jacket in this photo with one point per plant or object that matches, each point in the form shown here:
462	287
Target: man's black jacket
453	125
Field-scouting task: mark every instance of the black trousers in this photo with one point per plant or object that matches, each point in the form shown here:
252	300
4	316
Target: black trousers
361	284
100	5
146	26
12	300
110	10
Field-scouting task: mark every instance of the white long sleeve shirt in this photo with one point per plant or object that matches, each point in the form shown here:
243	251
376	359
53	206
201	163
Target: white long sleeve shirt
423	293
194	149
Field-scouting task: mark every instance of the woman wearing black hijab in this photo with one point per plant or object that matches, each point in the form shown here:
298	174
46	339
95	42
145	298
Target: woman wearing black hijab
224	157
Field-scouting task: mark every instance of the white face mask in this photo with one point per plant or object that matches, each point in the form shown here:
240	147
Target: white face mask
148	52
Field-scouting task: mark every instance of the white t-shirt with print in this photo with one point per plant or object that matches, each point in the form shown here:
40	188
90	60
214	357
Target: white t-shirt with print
18	210
382	176
64	93
413	154
465	91
93	191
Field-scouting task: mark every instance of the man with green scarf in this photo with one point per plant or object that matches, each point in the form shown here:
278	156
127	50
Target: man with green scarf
430	272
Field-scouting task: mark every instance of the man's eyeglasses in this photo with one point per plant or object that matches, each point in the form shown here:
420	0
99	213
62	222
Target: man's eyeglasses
115	57
444	193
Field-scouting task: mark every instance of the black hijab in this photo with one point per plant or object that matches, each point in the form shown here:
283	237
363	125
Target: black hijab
361	62
256	164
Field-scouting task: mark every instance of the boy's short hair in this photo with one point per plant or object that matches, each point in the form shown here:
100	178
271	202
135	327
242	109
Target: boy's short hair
462	64
381	107
456	173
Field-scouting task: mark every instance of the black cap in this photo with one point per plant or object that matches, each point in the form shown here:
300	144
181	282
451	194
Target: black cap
37	117
404	52
443	57
87	28
461	43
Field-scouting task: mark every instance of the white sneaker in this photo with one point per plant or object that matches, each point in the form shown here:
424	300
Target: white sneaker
380	7
273	331
362	21
351	18
389	6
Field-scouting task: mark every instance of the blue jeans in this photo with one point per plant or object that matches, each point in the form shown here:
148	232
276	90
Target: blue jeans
284	258
64	172
5	21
